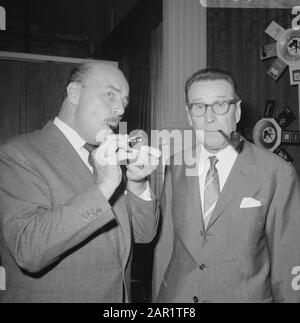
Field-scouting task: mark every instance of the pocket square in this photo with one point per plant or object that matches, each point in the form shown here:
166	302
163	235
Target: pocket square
249	202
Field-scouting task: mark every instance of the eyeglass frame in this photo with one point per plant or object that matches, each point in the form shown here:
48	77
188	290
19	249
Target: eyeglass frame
229	102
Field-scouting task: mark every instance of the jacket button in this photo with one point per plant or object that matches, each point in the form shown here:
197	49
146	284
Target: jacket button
202	267
196	299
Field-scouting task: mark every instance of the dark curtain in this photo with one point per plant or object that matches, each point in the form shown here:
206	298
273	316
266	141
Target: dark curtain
234	38
31	93
136	67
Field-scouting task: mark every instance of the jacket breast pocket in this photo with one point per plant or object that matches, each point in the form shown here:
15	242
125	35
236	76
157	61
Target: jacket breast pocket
253	216
255	210
248	227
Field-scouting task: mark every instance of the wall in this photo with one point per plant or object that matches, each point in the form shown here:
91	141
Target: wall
116	10
180	50
234	37
61	27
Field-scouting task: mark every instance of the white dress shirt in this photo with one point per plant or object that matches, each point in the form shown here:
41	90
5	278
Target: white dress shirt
226	160
77	142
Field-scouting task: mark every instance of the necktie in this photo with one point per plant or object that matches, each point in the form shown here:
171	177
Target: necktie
90	148
212	190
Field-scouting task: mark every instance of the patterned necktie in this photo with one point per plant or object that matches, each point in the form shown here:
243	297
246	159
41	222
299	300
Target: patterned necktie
90	148
212	190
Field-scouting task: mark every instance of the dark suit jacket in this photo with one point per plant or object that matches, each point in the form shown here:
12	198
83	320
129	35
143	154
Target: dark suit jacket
60	239
246	254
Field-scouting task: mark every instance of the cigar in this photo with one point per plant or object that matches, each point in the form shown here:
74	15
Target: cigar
235	139
138	139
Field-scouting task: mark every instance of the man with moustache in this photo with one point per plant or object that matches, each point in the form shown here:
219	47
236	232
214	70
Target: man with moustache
229	234
68	219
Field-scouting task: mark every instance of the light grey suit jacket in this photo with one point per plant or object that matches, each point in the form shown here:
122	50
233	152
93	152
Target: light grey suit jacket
60	239
246	254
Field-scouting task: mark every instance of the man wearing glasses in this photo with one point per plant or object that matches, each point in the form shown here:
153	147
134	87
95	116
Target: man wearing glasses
231	233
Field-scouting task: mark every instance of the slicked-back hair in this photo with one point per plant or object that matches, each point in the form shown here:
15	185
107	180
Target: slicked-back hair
79	74
210	74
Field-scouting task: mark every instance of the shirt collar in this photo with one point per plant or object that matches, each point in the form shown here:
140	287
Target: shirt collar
73	137
225	157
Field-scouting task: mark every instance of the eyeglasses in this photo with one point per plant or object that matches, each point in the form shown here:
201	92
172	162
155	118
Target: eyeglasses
219	108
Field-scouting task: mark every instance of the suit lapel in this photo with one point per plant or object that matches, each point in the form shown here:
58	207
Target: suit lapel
189	212
58	146
195	200
237	180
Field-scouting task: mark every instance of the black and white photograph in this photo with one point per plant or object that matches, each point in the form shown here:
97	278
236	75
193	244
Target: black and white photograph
149	154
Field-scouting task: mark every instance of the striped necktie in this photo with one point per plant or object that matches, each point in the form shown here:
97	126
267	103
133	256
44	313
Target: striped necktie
212	190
